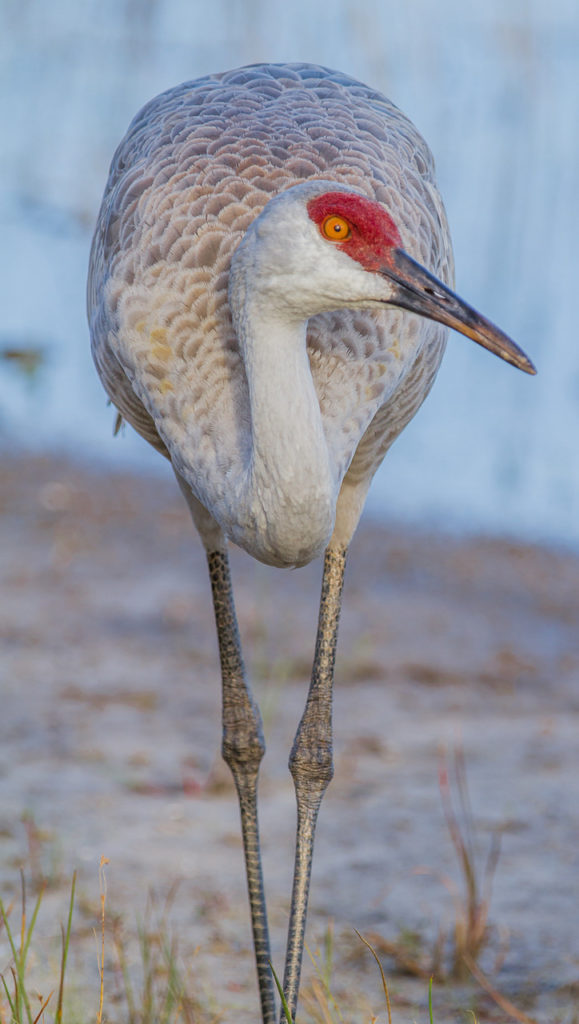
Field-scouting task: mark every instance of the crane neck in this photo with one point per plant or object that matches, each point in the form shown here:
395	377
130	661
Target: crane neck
290	489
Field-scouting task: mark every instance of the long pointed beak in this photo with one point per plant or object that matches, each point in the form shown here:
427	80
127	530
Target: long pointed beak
420	292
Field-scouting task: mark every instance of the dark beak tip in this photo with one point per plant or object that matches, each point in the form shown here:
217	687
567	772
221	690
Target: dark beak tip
525	364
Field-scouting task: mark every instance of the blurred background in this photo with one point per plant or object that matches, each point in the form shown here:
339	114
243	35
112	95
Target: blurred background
493	87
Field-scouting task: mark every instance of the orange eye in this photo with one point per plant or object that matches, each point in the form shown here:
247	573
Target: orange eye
335	228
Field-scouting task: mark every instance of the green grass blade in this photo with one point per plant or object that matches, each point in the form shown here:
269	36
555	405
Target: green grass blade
65	946
32	925
17	971
8	996
25	940
284	1004
8	931
430	1014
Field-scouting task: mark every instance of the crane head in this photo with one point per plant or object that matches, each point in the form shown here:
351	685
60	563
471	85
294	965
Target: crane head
364	231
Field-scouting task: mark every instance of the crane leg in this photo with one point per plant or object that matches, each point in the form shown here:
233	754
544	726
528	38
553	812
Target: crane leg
243	747
311	763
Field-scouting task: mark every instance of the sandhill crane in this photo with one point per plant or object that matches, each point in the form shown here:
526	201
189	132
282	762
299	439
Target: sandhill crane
255	269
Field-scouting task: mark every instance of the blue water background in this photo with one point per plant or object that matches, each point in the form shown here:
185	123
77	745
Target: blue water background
493	87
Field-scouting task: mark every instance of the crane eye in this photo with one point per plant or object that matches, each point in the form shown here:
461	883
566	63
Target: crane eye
335	228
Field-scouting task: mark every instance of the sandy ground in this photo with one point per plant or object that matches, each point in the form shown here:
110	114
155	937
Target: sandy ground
110	736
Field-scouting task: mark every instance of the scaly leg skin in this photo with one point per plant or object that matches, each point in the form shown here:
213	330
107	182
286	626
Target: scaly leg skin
311	763
243	747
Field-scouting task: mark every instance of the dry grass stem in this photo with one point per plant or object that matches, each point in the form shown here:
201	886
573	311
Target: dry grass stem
471	918
502	1001
382	975
101	957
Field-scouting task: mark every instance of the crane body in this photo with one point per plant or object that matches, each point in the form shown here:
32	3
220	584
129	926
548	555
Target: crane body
269	293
